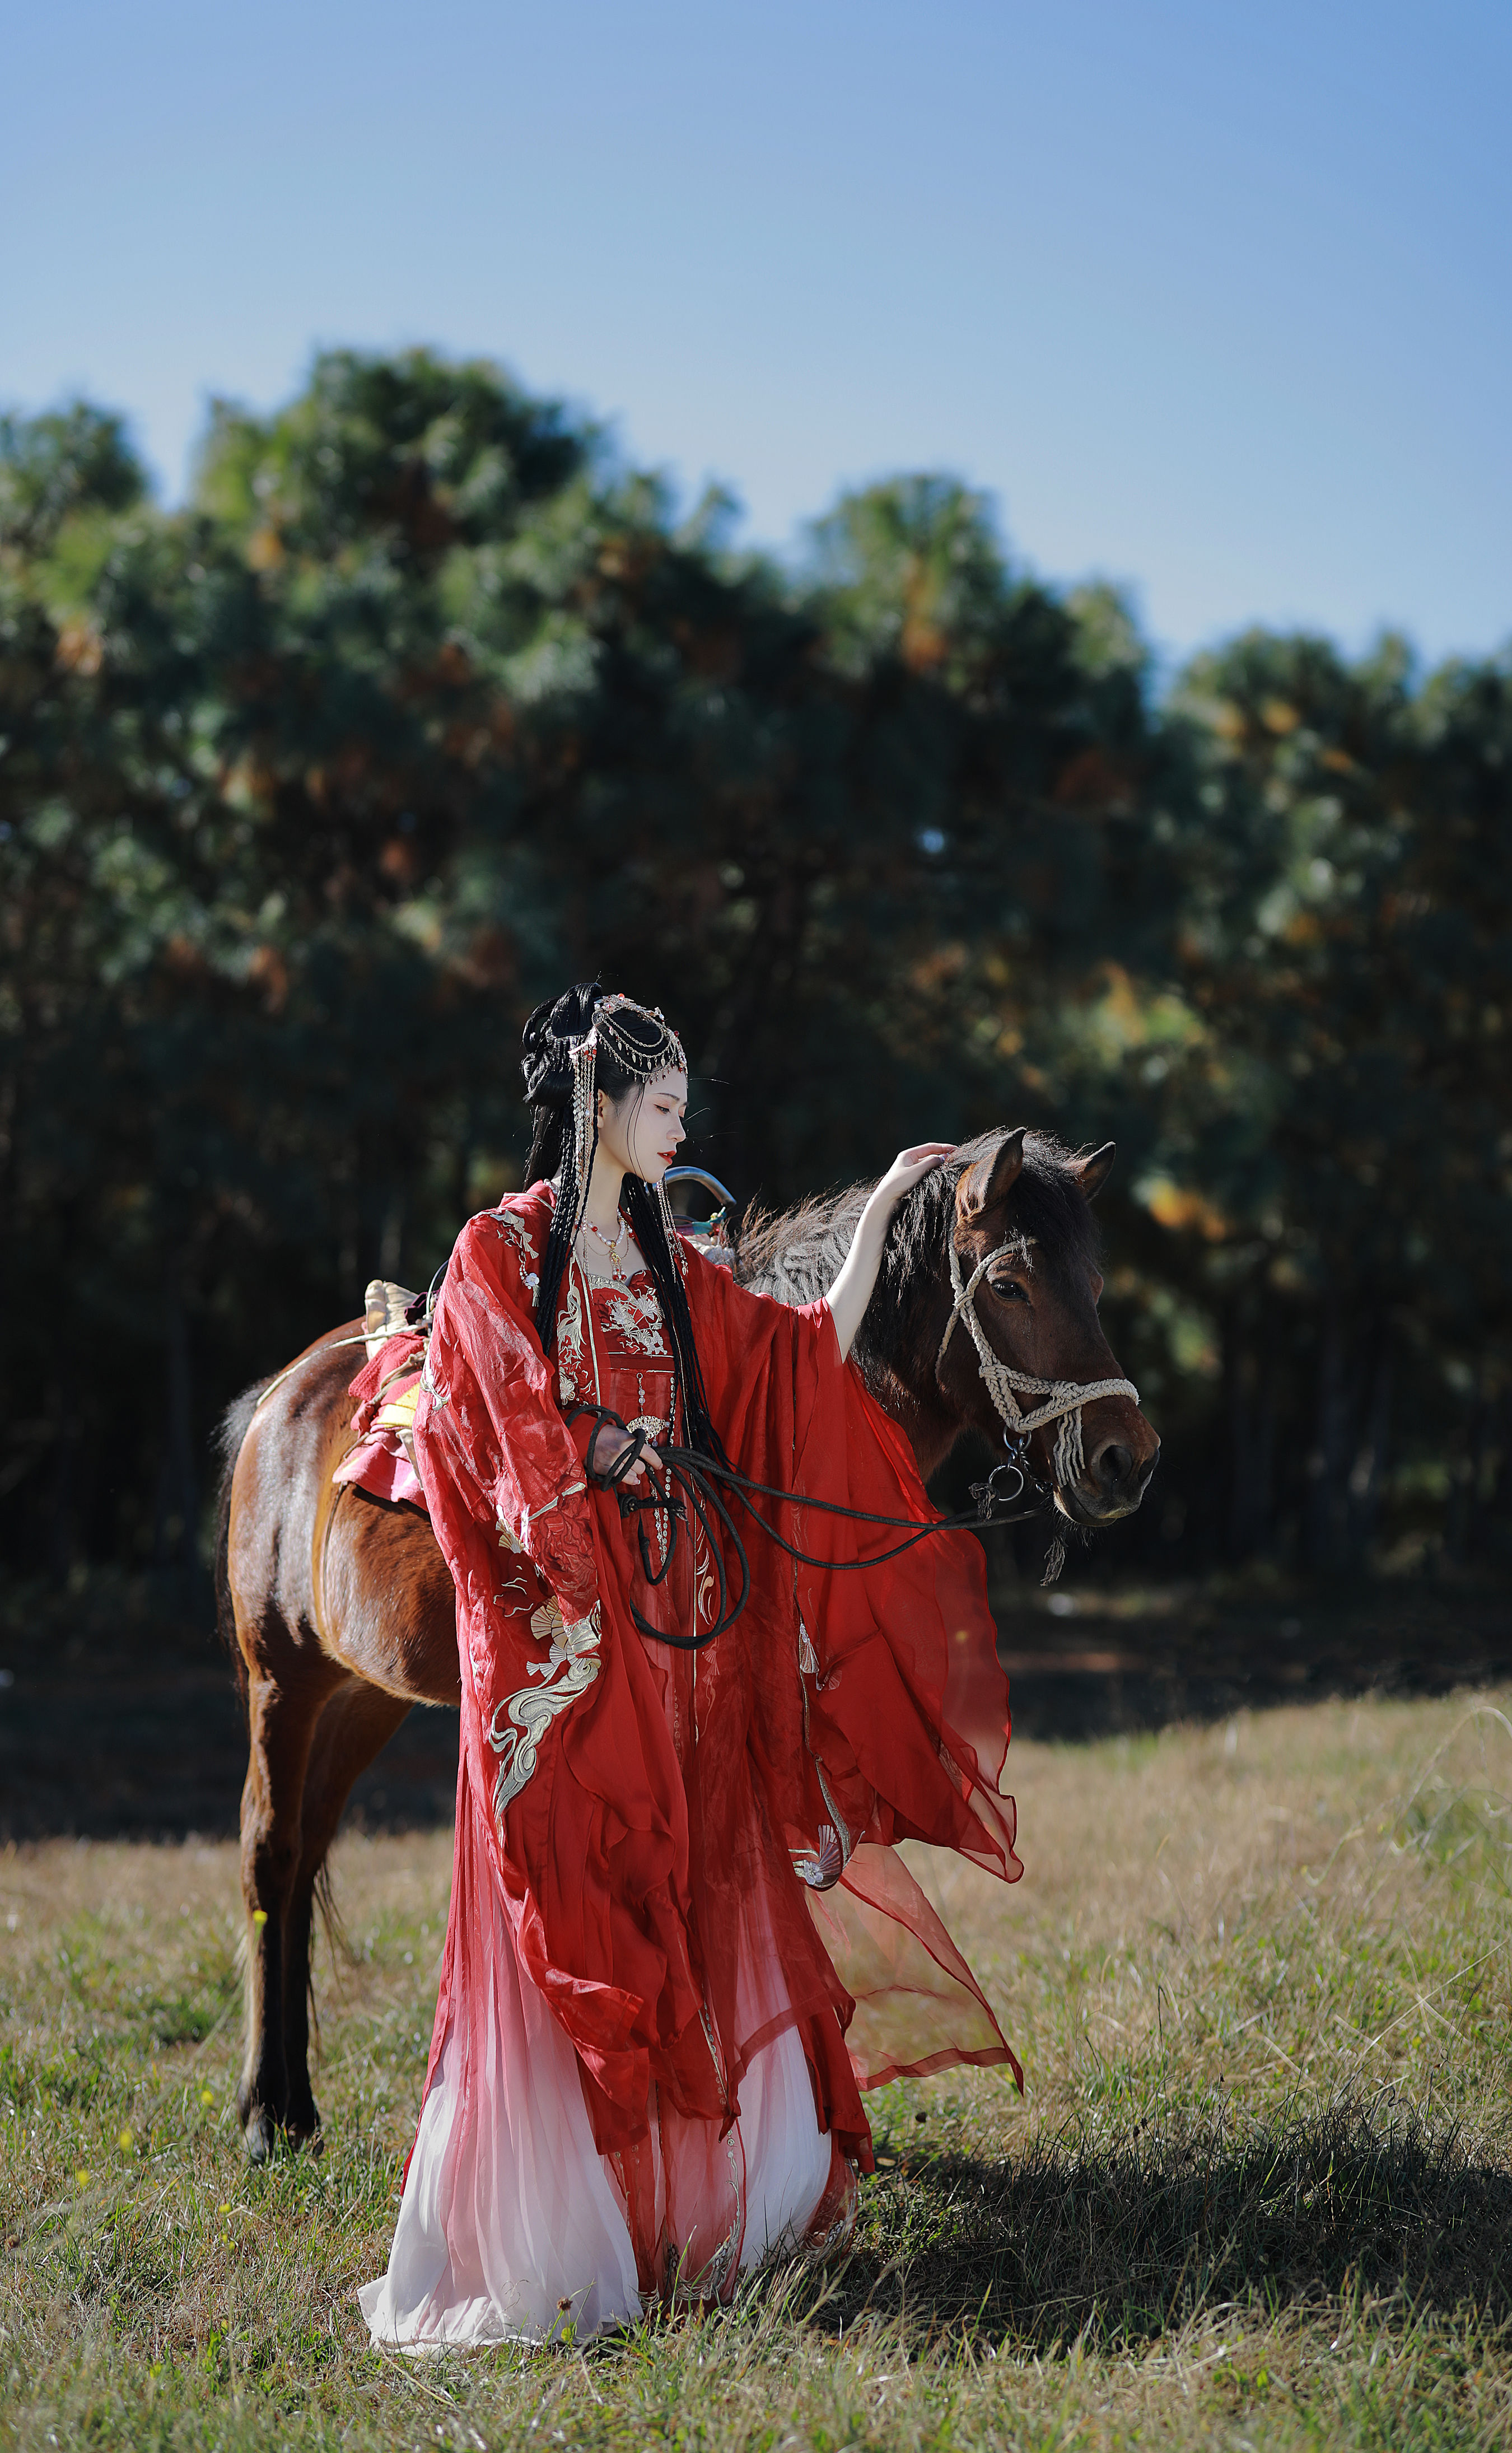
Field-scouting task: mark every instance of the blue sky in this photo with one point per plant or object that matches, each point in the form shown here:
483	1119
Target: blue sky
1214	300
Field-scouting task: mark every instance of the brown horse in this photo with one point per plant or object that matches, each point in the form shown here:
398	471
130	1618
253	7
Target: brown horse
340	1607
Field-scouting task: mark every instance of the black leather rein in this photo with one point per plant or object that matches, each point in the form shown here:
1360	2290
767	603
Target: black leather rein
698	1478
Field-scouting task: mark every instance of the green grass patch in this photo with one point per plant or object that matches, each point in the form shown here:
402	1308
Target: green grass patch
1260	2193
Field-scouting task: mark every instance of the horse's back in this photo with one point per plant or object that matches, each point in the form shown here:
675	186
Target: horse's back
322	1573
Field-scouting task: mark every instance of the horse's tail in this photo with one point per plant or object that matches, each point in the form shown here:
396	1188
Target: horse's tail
230	1432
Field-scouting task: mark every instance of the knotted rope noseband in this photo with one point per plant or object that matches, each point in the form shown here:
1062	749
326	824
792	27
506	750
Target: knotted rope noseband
1064	1399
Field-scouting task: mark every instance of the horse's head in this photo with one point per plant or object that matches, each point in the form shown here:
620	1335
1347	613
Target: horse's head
1021	1228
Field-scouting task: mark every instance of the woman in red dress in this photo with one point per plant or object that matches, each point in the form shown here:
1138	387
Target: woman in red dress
681	1939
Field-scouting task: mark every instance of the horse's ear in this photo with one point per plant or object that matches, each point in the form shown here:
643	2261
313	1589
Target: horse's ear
992	1177
1092	1173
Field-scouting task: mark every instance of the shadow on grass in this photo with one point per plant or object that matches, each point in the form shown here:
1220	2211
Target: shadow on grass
1125	2241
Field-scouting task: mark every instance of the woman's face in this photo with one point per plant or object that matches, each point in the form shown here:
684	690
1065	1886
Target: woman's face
641	1131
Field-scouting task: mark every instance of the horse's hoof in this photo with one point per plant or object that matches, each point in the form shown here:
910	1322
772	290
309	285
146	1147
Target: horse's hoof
259	2132
304	2137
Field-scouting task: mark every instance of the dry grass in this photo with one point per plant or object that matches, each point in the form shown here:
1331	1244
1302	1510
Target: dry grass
1260	2193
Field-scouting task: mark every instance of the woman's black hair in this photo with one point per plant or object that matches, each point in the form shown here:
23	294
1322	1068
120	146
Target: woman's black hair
546	1061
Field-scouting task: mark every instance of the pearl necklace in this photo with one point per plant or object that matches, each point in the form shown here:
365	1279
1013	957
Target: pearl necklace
616	1246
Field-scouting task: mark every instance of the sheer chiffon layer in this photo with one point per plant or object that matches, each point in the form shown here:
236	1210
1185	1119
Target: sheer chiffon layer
514	2227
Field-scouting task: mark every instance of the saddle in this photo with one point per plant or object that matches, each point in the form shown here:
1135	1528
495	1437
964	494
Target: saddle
382	1460
389	1310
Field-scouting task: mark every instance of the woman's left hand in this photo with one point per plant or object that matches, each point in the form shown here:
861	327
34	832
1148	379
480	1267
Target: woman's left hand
906	1171
852	1292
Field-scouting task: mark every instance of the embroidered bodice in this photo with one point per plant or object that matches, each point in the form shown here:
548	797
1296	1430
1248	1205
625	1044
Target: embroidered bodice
612	1349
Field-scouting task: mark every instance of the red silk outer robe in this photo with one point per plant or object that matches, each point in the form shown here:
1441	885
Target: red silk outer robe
696	1850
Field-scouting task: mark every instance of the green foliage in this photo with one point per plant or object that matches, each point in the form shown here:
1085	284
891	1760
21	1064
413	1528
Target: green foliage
61	468
425	705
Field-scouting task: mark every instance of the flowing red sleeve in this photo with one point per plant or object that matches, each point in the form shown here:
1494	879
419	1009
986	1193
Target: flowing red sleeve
490	1424
907	1683
902	1729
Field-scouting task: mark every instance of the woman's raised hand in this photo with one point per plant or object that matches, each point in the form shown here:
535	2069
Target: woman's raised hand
852	1292
905	1172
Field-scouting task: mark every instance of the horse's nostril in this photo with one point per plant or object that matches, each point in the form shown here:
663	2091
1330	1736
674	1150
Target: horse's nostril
1114	1464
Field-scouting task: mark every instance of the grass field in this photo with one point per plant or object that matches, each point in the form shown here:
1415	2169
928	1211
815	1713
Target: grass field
1258	2193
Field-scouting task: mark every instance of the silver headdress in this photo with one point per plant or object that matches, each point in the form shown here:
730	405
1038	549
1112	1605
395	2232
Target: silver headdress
639	1041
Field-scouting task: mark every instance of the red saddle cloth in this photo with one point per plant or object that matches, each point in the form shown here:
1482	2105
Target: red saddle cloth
387	1390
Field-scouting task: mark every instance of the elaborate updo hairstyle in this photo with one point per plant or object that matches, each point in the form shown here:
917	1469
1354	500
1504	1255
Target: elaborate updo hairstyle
573	1046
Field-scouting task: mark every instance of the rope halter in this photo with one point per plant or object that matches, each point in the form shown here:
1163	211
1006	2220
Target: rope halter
1064	1399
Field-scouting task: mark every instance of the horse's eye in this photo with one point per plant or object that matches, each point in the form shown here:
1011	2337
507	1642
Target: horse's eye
1009	1289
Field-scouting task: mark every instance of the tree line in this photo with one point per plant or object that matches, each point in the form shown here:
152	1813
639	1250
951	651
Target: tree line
424	704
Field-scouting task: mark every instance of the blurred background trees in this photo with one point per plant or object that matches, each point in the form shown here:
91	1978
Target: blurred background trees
425	705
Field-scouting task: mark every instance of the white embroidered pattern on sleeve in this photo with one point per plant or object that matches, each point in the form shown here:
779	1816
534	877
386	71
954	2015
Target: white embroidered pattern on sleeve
521	1722
532	1514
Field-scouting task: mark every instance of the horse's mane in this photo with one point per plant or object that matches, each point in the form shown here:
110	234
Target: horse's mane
797	1255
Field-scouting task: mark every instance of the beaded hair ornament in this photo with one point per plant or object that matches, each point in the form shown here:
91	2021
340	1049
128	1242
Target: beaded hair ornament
562	1046
643	1045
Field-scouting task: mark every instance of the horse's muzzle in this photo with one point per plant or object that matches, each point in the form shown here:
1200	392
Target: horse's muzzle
1112	1484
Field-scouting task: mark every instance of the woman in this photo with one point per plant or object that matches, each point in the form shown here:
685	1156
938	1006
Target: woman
681	1939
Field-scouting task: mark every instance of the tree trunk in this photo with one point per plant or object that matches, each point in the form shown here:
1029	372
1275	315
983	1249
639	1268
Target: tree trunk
1252	1449
177	1511
1367	1473
1327	1496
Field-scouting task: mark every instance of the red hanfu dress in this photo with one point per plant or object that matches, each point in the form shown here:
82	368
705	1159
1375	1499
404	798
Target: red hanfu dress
681	1939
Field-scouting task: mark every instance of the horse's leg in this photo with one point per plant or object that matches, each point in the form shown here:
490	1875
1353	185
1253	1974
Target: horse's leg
316	1601
282	1713
387	1602
355	1723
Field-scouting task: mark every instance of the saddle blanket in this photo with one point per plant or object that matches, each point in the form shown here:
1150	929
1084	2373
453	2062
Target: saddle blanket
381	1458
